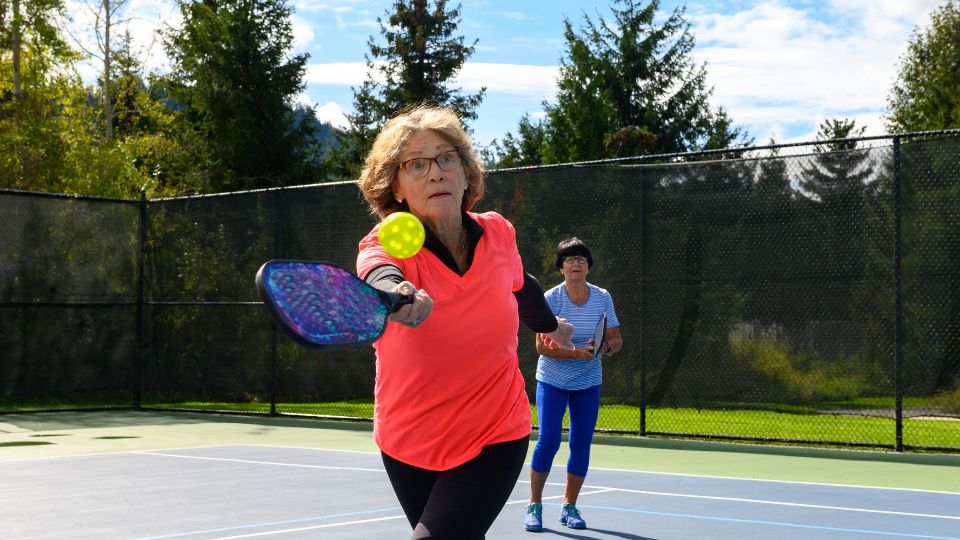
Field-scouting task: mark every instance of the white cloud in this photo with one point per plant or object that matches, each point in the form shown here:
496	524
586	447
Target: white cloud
515	79
774	65
337	73
303	34
332	113
329	112
912	12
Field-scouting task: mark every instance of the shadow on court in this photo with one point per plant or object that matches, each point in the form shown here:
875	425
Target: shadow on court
566	533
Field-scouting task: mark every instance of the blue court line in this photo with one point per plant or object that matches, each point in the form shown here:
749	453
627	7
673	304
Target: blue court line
762	522
275	523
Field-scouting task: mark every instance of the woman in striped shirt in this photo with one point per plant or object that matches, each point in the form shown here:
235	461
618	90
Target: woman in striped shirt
571	379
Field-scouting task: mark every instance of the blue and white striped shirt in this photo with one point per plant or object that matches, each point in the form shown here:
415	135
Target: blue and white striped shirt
577	374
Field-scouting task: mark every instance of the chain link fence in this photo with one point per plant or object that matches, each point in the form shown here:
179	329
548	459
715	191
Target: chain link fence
804	293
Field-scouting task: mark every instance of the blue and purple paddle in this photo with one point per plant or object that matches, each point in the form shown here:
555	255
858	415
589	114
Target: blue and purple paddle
323	306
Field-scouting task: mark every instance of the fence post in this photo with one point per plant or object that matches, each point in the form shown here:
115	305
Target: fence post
274	361
897	311
643	265
141	246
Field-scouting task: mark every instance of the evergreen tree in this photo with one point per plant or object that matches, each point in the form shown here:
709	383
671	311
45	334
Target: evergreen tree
233	73
419	57
926	94
524	149
125	83
837	173
171	156
628	86
774	177
835	185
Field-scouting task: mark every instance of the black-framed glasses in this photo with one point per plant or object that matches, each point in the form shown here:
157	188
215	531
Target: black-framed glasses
418	167
570	259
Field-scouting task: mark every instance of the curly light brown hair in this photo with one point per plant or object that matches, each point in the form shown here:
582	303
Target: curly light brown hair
382	163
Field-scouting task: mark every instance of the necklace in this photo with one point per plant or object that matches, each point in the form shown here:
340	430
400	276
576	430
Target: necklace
458	250
461	255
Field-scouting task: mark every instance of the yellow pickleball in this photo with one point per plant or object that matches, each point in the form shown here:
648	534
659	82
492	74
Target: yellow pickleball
401	235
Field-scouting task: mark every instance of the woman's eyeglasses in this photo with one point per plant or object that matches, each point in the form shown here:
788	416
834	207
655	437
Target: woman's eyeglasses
418	167
570	259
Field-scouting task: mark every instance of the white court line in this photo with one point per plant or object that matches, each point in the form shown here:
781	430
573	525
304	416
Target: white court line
684	475
255	462
768	480
635	471
582	493
285	446
593	491
117	453
604	489
601	489
311	528
365	521
639	471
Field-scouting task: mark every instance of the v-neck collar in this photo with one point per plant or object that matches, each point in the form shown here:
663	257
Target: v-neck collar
432	243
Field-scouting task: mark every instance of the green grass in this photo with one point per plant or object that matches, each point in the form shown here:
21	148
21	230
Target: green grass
719	420
786	423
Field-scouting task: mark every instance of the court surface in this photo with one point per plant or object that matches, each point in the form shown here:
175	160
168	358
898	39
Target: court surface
119	475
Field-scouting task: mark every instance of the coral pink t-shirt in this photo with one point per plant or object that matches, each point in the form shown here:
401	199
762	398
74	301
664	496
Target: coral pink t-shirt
451	386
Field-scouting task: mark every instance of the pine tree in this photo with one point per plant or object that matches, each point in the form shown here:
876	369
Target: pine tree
524	149
837	173
629	86
235	77
419	56
925	95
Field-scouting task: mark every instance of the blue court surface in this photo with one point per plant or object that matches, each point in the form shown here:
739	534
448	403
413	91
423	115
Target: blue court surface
285	492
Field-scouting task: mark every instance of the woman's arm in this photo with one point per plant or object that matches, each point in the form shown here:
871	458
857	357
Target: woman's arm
532	307
554	333
612	341
578	353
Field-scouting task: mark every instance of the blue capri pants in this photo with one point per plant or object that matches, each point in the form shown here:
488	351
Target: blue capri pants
552	402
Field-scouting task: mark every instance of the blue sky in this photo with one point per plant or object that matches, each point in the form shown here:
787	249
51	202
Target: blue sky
778	67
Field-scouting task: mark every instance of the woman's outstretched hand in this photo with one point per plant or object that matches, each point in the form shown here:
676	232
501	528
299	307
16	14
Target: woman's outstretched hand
559	338
414	313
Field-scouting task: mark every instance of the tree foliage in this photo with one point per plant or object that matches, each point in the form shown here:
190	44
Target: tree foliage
233	75
629	86
926	93
524	149
419	56
41	102
836	173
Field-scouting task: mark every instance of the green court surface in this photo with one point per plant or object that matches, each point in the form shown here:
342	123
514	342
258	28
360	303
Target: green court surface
50	435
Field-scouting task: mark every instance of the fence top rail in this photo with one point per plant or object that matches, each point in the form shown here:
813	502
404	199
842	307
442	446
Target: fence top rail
721	151
254	191
48	195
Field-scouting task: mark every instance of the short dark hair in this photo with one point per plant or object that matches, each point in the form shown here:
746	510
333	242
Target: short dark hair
573	246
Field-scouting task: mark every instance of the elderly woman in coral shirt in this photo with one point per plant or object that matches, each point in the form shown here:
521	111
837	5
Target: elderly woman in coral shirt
451	416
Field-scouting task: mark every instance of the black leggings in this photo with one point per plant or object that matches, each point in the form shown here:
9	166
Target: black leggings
461	502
